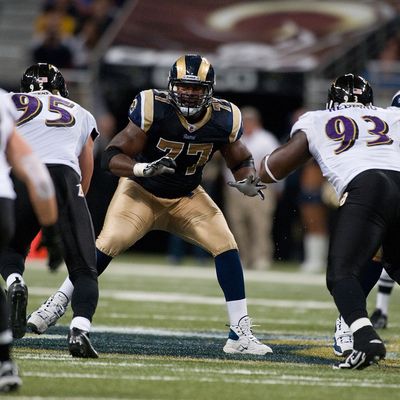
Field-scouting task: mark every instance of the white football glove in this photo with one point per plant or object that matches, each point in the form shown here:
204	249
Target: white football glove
250	186
164	165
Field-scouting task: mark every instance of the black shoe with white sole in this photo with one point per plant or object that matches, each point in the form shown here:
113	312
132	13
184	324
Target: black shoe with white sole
79	344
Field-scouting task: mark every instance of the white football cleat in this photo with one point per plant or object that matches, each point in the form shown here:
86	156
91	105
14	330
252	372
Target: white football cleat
48	313
242	341
343	339
9	377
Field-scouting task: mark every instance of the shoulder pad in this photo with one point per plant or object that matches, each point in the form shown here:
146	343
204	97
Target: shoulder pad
161	95
219	104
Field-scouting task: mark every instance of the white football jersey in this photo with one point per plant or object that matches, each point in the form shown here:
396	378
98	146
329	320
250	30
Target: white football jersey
7	114
55	127
351	138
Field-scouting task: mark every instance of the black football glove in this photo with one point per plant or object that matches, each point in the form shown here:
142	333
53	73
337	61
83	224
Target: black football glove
52	241
164	165
250	186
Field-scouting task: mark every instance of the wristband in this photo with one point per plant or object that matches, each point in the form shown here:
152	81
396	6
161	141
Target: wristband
138	169
268	170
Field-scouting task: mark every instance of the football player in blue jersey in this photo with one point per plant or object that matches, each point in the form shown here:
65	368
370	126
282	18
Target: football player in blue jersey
160	156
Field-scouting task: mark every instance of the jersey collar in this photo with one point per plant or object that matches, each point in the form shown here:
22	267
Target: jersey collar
197	125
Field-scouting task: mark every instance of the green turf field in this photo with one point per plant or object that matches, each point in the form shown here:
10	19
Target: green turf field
160	330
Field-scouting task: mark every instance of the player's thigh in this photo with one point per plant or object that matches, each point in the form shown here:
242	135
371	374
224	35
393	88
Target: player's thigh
129	217
391	252
200	221
26	222
360	225
74	220
7	222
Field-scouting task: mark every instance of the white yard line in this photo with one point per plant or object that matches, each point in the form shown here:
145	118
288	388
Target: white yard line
185	298
167	271
277	380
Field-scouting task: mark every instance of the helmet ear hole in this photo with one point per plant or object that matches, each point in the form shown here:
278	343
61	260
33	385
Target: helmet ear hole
193	71
43	76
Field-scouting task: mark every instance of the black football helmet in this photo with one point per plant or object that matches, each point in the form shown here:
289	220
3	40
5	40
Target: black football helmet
43	76
396	100
350	88
191	70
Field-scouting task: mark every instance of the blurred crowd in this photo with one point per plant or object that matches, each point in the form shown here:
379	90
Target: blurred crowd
66	31
293	224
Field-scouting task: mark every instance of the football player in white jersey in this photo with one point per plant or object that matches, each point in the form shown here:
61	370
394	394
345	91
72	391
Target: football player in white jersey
15	152
357	148
343	337
62	134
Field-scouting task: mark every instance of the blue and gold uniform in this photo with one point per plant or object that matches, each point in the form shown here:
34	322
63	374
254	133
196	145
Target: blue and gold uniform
175	203
160	156
190	145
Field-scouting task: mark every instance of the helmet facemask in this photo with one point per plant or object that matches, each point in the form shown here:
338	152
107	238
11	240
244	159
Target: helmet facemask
191	85
190	98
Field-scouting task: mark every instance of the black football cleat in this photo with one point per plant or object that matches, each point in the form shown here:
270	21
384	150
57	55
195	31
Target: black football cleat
17	298
378	319
79	344
359	359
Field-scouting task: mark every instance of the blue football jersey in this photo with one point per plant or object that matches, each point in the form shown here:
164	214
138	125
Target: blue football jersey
190	145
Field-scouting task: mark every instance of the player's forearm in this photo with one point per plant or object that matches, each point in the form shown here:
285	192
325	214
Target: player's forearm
45	209
266	174
243	173
121	165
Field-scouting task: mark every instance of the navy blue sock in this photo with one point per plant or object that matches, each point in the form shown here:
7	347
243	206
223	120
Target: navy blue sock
102	261
230	275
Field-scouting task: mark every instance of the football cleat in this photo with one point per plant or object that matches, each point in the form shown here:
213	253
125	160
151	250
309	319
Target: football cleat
79	344
17	298
378	319
342	339
360	359
242	341
48	313
9	378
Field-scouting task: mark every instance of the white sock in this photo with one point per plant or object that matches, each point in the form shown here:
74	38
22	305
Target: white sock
315	252
6	337
382	302
67	288
360	323
237	309
12	278
81	323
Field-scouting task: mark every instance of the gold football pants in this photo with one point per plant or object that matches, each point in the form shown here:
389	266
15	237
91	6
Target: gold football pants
133	212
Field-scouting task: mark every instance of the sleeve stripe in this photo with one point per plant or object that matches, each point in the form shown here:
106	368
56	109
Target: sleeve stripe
236	123
147	100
